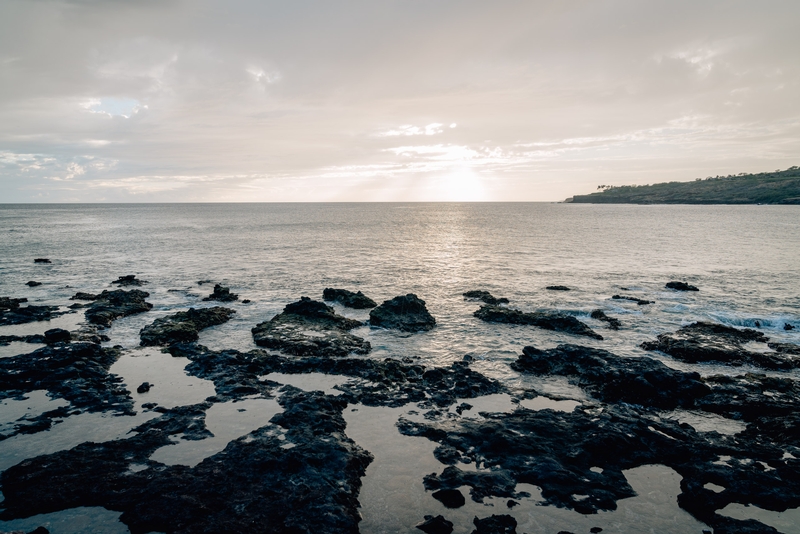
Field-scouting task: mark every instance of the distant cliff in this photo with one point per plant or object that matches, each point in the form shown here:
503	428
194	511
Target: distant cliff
779	187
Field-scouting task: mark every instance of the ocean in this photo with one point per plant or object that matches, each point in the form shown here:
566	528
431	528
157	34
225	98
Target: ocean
744	259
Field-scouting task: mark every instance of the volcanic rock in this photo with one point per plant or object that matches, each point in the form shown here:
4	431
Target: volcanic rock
435	525
129	280
256	483
496	524
110	305
640	302
222	294
704	342
12	313
450	498
785	348
33	283
57	335
613	323
80	295
681	286
558	288
309	327
41	260
349	299
484	296
407	313
144	387
611	378
184	326
557	321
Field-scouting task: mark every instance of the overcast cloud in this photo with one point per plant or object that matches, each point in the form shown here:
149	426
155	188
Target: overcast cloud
315	100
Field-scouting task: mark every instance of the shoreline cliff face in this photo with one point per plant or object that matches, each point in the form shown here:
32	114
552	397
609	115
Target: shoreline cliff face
779	187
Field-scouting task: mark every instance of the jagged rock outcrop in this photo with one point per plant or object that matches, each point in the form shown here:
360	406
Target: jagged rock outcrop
358	300
484	296
183	326
111	305
405	312
559	322
222	294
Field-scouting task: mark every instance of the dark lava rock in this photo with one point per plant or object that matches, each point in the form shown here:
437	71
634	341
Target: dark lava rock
246	301
57	335
222	294
110	305
33	283
309	327
144	387
559	322
183	327
495	524
681	286
558	288
785	348
787	326
407	313
12	313
613	323
80	295
612	378
484	296
201	282
595	530
35	338
705	342
254	485
388	382
640	302
451	498
556	451
76	372
128	280
347	298
41	260
435	525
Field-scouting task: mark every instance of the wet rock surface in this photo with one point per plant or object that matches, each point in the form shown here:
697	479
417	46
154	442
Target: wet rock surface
33	283
557	321
222	294
435	525
129	280
256	481
358	300
75	372
495	524
681	286
183	327
558	288
41	260
638	301
709	342
111	305
484	296
12	313
309	327
613	323
406	313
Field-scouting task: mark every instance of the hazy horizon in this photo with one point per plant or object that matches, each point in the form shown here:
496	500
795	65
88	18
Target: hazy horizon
309	101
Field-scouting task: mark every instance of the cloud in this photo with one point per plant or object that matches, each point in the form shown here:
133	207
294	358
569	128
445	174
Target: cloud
433	128
113	107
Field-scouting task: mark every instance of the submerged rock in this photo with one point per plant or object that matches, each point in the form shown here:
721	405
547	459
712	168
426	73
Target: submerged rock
309	327
558	288
184	326
496	524
57	335
80	295
12	313
405	312
349	299
556	321
704	342
128	280
222	294
256	483
785	348
450	498
613	323
33	283
681	286
640	302
110	305
484	296
41	260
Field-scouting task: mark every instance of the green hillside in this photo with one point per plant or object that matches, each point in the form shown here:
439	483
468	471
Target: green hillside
779	187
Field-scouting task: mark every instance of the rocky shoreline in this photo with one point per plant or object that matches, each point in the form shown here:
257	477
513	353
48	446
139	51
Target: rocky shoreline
303	473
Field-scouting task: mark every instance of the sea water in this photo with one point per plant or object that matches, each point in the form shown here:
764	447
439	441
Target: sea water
744	259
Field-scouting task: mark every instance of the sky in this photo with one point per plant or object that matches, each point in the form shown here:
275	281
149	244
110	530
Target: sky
437	100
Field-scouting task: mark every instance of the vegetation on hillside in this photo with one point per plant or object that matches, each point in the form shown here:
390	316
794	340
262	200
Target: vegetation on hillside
779	187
